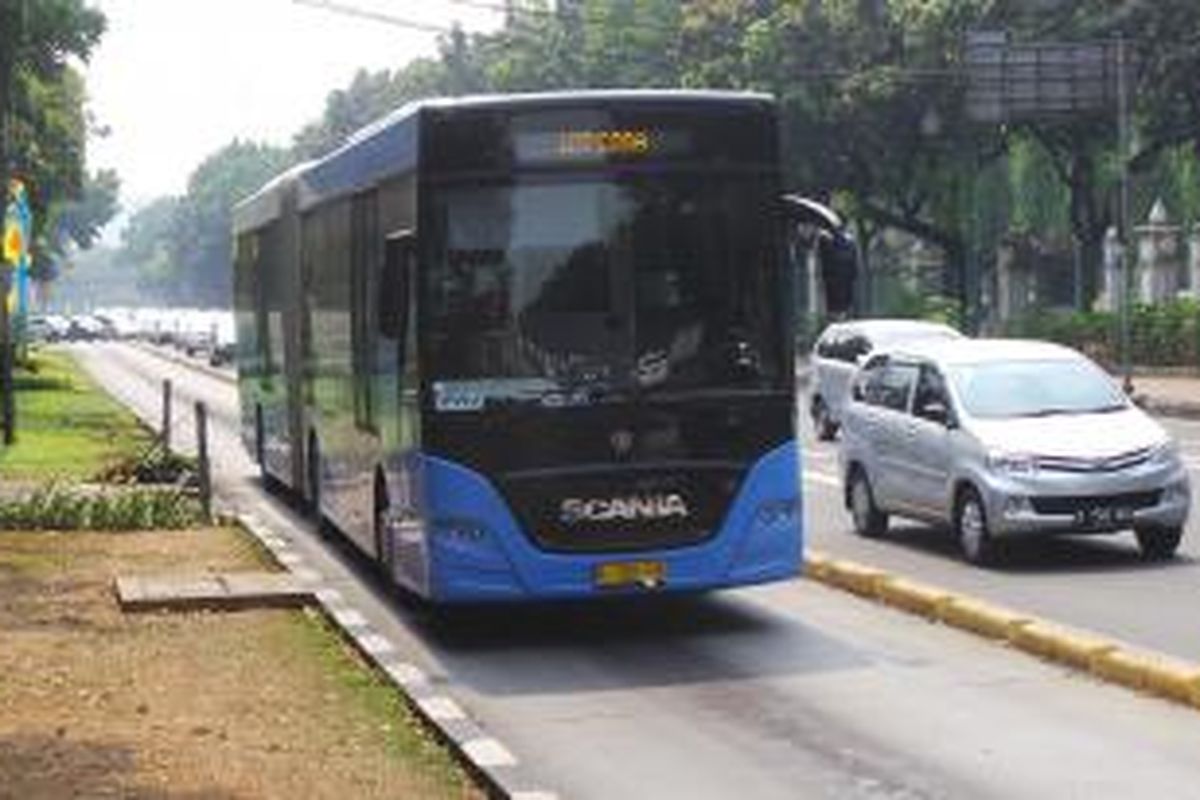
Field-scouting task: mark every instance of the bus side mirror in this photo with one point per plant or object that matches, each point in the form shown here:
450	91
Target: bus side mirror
394	281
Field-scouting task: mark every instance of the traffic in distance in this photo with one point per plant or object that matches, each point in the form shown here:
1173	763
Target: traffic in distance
537	346
997	440
206	334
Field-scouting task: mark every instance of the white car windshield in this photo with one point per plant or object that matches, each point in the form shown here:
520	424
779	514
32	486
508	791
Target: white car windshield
1035	388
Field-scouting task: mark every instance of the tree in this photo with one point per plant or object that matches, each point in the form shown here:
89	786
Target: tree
36	39
146	245
76	224
179	246
41	95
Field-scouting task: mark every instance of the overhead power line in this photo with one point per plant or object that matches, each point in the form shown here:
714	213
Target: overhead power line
374	16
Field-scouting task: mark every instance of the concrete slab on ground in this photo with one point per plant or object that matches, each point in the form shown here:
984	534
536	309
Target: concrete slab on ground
218	592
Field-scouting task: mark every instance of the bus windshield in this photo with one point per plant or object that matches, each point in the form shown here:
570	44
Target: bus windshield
571	291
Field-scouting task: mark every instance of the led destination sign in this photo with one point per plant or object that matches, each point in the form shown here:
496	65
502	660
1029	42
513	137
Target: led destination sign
568	145
606	142
597	137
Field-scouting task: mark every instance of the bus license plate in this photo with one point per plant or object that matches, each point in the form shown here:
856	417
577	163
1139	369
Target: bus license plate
647	574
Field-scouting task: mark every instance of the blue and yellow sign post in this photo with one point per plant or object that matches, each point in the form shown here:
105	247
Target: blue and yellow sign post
18	229
14	272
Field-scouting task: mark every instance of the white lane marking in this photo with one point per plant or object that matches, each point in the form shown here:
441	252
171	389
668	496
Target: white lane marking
349	618
330	598
375	644
488	753
404	674
822	478
290	558
308	575
441	708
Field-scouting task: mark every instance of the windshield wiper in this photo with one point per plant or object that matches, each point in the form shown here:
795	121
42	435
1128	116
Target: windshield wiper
1050	412
1105	409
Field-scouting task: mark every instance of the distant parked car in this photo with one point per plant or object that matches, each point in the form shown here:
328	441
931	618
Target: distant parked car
842	347
1006	438
87	328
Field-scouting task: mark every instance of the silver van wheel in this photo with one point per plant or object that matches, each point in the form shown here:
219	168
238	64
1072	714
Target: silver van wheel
825	427
868	519
1158	543
973	536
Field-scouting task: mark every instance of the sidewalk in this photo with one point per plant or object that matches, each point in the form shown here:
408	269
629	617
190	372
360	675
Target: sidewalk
1172	396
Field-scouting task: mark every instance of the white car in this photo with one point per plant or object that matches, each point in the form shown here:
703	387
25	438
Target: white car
842	347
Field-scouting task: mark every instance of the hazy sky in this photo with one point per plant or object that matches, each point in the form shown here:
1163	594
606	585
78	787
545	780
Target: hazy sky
174	80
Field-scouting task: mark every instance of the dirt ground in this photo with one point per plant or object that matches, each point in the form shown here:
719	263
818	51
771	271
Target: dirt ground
254	704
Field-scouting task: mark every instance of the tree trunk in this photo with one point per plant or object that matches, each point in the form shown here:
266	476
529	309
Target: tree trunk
1091	255
7	406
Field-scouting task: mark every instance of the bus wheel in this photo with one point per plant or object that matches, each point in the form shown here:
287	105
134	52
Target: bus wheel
258	440
314	477
384	555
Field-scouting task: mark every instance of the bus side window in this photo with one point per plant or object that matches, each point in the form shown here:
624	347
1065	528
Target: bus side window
394	284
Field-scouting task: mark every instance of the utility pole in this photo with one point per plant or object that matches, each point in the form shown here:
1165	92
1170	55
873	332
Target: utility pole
1123	223
11	19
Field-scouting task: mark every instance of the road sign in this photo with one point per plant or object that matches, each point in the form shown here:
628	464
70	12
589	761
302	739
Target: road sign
1009	82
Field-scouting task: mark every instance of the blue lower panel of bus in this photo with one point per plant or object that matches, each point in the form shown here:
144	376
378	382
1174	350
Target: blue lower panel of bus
478	553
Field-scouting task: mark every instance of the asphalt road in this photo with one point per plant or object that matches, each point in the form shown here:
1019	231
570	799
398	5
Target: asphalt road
787	691
1095	582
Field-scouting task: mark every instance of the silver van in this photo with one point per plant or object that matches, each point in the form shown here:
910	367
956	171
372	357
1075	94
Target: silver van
1005	438
840	350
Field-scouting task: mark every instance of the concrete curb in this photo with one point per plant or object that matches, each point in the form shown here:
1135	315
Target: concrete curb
495	767
1105	658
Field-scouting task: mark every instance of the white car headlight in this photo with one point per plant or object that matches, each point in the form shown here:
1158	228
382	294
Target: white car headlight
1166	453
1012	463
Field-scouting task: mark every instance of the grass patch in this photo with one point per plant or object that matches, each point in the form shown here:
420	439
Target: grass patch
259	703
67	427
371	698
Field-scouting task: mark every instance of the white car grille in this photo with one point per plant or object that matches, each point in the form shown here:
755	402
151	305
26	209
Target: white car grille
1115	463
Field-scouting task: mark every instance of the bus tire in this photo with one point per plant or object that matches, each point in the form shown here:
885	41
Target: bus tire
385	556
314	477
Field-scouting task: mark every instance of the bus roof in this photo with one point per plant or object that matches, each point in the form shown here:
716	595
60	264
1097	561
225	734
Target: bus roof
388	145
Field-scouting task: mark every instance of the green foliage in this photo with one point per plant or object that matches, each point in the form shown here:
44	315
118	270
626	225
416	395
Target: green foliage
872	99
179	247
906	303
42	120
1165	335
69	427
63	508
155	464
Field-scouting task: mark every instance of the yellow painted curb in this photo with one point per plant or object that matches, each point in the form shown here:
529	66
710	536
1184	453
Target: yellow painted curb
986	619
854	577
816	566
1151	672
918	598
1078	649
1105	658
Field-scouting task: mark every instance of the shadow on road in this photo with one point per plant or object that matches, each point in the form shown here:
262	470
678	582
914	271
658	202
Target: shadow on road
630	643
1051	555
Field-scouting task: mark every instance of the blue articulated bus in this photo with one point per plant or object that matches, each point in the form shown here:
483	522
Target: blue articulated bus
533	346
